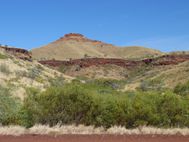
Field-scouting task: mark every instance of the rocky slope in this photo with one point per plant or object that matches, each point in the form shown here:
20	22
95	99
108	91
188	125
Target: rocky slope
87	62
77	56
17	52
167	70
18	72
77	46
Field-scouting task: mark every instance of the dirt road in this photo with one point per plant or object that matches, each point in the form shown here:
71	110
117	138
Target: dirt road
95	138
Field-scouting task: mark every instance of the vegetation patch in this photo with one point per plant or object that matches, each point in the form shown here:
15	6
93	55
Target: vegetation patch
5	69
9	107
2	56
34	73
97	103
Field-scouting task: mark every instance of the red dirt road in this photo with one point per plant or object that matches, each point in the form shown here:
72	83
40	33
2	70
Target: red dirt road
95	138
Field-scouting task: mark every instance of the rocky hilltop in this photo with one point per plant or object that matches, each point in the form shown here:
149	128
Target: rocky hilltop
76	46
80	38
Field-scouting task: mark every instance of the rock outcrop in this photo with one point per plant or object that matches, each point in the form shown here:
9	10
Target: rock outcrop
18	52
84	63
80	38
87	62
167	60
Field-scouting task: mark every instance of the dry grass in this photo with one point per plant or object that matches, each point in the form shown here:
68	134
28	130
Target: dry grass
63	50
12	130
170	76
18	75
72	129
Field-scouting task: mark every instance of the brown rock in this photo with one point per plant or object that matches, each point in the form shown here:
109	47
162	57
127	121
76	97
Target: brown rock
87	62
18	52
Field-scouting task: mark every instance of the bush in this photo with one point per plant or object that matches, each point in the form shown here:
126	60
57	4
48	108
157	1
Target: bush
30	111
152	85
111	112
2	56
9	107
70	104
78	103
98	104
34	73
5	69
174	110
108	83
57	82
62	68
182	89
20	73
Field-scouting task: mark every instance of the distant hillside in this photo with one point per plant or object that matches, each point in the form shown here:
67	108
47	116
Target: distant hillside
165	71
77	46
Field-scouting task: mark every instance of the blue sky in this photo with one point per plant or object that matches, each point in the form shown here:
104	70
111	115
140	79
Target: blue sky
159	24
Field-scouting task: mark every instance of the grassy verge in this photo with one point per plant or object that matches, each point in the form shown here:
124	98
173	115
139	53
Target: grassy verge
89	130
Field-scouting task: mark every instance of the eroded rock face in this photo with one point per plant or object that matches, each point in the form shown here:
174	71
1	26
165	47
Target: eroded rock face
18	52
84	63
167	60
87	62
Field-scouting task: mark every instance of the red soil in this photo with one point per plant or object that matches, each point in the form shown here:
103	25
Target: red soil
95	138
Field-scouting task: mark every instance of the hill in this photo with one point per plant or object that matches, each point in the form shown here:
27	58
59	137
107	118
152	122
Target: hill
104	91
77	46
163	71
18	72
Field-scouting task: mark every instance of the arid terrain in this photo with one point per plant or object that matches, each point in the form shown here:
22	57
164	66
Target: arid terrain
83	58
94	71
95	138
80	89
18	71
76	46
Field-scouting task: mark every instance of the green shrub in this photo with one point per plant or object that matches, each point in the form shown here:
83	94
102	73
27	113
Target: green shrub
2	56
96	103
182	89
81	104
21	73
67	105
34	73
111	112
9	107
153	84
107	83
30	111
5	69
57	82
63	68
174	110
